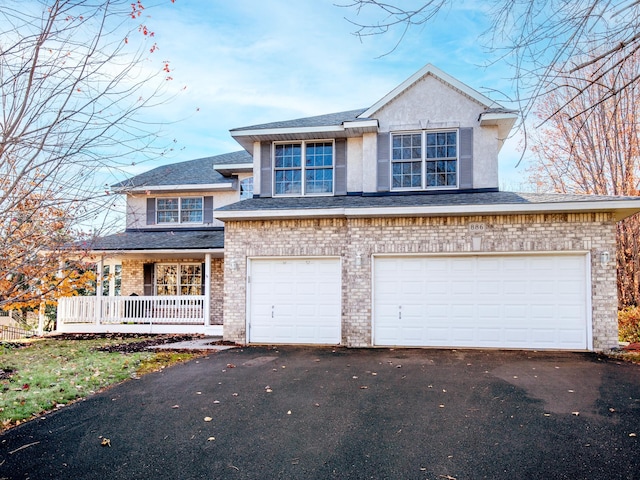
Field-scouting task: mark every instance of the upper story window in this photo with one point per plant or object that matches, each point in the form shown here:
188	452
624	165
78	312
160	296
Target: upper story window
246	188
424	160
303	168
179	210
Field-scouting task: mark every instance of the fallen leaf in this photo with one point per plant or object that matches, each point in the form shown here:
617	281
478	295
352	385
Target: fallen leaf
633	435
570	391
441	406
176	406
230	365
211	439
398	366
547	414
105	442
612	410
198	393
268	390
207	419
234	394
288	412
363	387
215	402
575	413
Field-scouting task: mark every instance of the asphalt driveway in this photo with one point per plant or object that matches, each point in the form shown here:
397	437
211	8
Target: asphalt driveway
305	413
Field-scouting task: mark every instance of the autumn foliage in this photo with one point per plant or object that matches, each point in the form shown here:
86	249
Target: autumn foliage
589	143
76	84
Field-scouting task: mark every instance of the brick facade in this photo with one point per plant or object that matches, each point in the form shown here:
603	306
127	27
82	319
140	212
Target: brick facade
349	238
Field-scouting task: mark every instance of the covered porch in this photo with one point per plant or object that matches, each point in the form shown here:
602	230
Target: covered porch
142	289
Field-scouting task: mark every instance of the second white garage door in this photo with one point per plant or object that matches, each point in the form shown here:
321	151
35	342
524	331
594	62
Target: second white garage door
295	301
535	301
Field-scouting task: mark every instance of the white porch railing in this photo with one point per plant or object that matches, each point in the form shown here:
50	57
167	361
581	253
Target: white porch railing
160	310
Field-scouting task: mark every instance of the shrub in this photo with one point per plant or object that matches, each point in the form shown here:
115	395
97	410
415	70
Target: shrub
629	324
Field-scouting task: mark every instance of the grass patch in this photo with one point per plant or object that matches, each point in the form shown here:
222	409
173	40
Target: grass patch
42	374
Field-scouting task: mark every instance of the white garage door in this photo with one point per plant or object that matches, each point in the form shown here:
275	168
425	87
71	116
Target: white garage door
535	301
295	301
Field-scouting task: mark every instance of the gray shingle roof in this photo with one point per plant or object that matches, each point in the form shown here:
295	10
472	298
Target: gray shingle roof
192	172
413	200
330	119
160	240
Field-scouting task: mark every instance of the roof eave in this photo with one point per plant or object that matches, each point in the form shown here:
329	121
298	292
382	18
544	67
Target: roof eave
188	187
346	129
232	169
504	122
620	208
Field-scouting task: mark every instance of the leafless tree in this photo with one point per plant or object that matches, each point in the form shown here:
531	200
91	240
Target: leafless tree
540	39
591	145
75	85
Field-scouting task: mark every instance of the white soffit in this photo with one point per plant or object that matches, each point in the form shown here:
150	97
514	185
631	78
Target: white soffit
205	187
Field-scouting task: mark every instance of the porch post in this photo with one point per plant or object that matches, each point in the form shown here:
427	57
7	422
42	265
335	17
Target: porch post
99	280
207	290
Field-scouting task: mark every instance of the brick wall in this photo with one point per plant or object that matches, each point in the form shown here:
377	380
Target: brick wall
348	238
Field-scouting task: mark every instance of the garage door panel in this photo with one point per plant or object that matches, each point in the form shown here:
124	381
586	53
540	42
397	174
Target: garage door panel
494	301
295	301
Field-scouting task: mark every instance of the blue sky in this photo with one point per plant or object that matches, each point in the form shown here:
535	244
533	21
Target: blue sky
247	62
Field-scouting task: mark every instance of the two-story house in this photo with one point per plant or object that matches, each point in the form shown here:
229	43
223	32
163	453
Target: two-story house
382	226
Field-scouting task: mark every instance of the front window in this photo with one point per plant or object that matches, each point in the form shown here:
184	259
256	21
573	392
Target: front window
304	168
179	279
424	160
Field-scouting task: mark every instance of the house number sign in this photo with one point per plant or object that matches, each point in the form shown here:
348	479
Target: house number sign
477	227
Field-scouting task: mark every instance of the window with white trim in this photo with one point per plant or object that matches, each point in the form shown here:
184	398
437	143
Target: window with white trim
178	279
179	210
111	279
303	168
424	160
246	188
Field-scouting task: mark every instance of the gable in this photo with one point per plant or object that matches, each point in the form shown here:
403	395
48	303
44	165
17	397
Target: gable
429	104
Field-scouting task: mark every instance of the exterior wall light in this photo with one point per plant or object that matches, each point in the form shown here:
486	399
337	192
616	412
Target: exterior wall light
233	265
358	259
604	258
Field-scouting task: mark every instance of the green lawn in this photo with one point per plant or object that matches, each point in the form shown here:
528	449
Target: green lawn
41	375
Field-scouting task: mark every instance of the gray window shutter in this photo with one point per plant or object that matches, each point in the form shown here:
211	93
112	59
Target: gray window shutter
340	167
266	174
466	157
151	211
149	280
207	212
383	173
